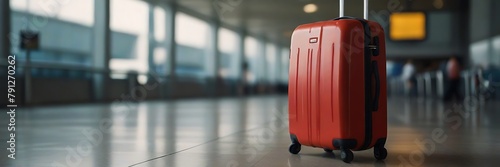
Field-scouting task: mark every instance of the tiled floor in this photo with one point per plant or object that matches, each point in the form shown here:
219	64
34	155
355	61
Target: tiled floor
238	132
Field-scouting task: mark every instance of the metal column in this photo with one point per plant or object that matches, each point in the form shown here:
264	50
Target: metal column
212	63
101	48
151	40
278	64
171	45
4	29
440	84
420	86
428	84
240	62
4	41
467	84
101	57
263	69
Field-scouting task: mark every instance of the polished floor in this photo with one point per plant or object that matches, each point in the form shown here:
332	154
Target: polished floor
239	132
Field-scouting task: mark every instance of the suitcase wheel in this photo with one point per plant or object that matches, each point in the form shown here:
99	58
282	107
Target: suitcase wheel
346	155
294	148
328	150
380	153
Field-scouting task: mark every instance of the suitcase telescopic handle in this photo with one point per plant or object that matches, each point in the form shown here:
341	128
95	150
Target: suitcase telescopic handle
365	9
377	86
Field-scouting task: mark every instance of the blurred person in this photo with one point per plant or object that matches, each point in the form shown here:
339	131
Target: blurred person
408	78
478	80
453	74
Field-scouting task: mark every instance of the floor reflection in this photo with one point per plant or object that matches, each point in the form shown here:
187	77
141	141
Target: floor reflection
242	132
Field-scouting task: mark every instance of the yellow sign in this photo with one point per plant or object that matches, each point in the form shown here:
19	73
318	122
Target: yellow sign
407	26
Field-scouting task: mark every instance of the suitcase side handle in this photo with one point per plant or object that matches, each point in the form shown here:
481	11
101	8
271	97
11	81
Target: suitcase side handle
377	86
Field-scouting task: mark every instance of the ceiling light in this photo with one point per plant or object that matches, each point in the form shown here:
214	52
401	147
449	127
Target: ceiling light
438	4
310	8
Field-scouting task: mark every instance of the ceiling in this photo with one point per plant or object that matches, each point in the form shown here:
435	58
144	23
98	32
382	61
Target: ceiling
274	20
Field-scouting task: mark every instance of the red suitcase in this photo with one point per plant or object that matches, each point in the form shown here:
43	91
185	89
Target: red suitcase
337	87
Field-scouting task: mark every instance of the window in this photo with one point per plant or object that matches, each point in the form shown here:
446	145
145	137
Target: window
272	64
251	53
159	22
228	46
160	51
159	59
129	36
75	11
65	30
192	39
285	63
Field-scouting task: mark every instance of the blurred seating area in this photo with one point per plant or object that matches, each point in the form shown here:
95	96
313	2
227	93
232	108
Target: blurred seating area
475	83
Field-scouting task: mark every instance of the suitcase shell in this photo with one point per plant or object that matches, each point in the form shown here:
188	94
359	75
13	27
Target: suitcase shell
337	85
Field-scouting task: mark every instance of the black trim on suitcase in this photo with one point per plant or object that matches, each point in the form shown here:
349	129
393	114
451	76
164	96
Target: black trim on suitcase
344	143
377	86
368	81
368	86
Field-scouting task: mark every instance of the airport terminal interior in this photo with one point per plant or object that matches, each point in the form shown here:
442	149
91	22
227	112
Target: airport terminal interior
154	83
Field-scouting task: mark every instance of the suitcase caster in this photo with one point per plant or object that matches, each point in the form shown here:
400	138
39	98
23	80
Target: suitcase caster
328	150
294	148
346	155
380	153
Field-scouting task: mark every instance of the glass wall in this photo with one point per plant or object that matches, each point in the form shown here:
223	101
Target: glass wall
192	36
271	62
129	24
65	30
66	38
228	47
285	64
252	51
160	50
